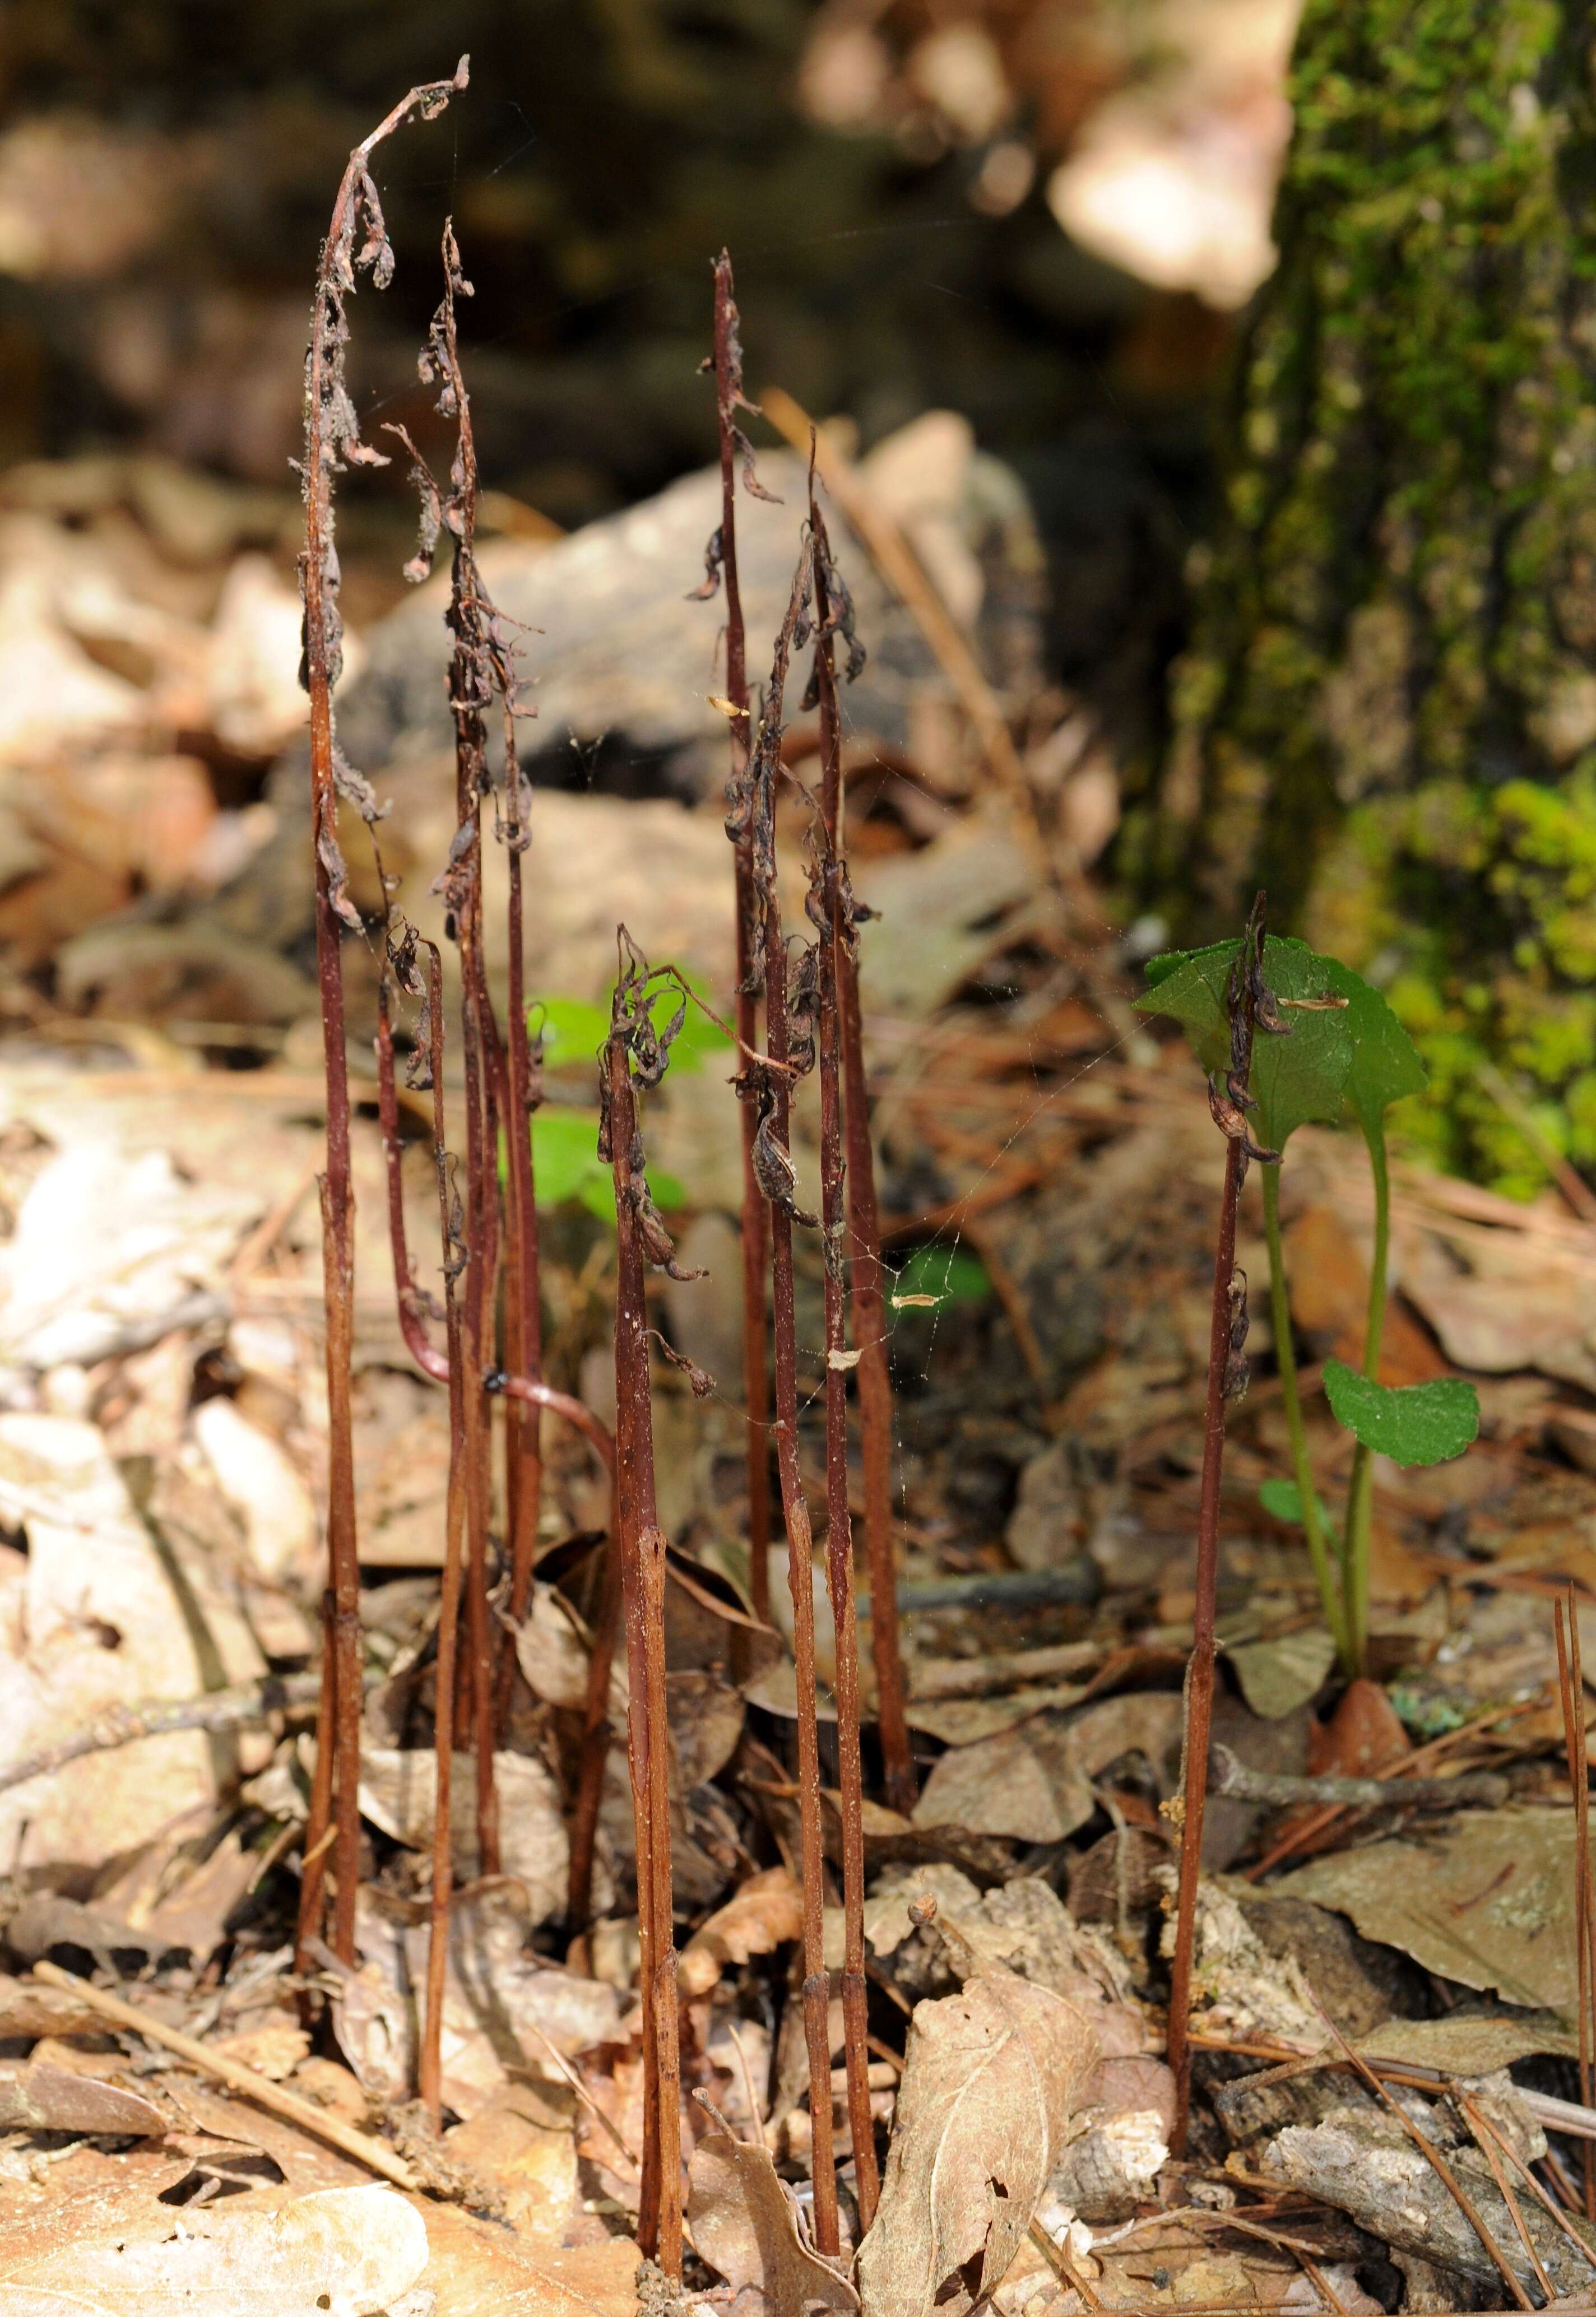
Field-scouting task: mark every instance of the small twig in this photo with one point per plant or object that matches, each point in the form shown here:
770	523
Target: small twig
1239	1783
374	2154
605	2122
156	1717
1318	1823
1063	2266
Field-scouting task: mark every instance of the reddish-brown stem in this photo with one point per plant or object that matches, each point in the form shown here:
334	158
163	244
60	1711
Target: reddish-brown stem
597	1733
875	1401
642	1550
727	371
1227	1337
1199	1679
835	935
524	1339
775	1094
430	2071
317	1844
1571	1686
412	1327
329	436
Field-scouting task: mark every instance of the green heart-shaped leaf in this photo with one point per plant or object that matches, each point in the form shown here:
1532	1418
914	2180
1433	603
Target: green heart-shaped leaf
1411	1423
1299	1077
1386	1064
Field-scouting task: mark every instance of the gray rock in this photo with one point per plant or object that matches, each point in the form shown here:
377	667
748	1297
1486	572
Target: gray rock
619	661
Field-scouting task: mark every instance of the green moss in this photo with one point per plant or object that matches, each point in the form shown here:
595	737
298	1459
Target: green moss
1387	715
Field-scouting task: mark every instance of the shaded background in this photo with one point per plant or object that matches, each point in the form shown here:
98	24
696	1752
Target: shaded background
891	182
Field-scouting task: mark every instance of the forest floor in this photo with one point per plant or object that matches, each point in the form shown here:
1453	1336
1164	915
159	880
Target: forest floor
1050	1180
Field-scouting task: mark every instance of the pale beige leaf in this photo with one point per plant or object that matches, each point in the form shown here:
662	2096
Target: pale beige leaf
764	1914
346	2251
742	2223
990	2078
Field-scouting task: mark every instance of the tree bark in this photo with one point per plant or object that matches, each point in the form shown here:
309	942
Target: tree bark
1387	713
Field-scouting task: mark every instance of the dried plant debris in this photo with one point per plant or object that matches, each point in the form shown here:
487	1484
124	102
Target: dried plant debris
992	2076
745	2223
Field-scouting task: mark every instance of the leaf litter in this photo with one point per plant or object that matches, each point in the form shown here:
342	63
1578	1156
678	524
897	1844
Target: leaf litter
1047	1192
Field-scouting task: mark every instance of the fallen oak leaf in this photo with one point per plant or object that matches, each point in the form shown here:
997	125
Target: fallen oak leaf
766	1913
743	2224
990	2078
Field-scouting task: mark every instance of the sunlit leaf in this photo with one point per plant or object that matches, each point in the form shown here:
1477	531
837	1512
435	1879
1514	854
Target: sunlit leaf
1411	1423
1296	1077
1386	1064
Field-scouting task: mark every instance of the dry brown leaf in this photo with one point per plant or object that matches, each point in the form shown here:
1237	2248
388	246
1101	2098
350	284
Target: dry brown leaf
349	2251
42	2098
990	2078
523	2144
1363	1735
399	1790
478	2269
1488	1900
1034	1782
743	2224
764	1914
1330	1297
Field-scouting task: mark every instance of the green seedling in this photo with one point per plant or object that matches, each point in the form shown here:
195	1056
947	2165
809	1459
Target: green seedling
567	1167
572	1031
1347	1058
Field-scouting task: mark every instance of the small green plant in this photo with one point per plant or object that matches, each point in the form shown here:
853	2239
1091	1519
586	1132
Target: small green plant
572	1030
1347	1057
564	1146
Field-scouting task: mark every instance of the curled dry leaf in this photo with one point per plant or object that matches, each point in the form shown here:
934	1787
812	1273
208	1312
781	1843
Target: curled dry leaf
742	2223
42	2098
990	2078
766	1912
349	2251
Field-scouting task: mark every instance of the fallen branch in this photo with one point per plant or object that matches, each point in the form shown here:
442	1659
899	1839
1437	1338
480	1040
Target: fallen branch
374	2154
1238	1782
158	1717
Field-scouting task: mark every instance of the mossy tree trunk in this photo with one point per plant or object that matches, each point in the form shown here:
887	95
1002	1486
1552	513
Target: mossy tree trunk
1387	715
